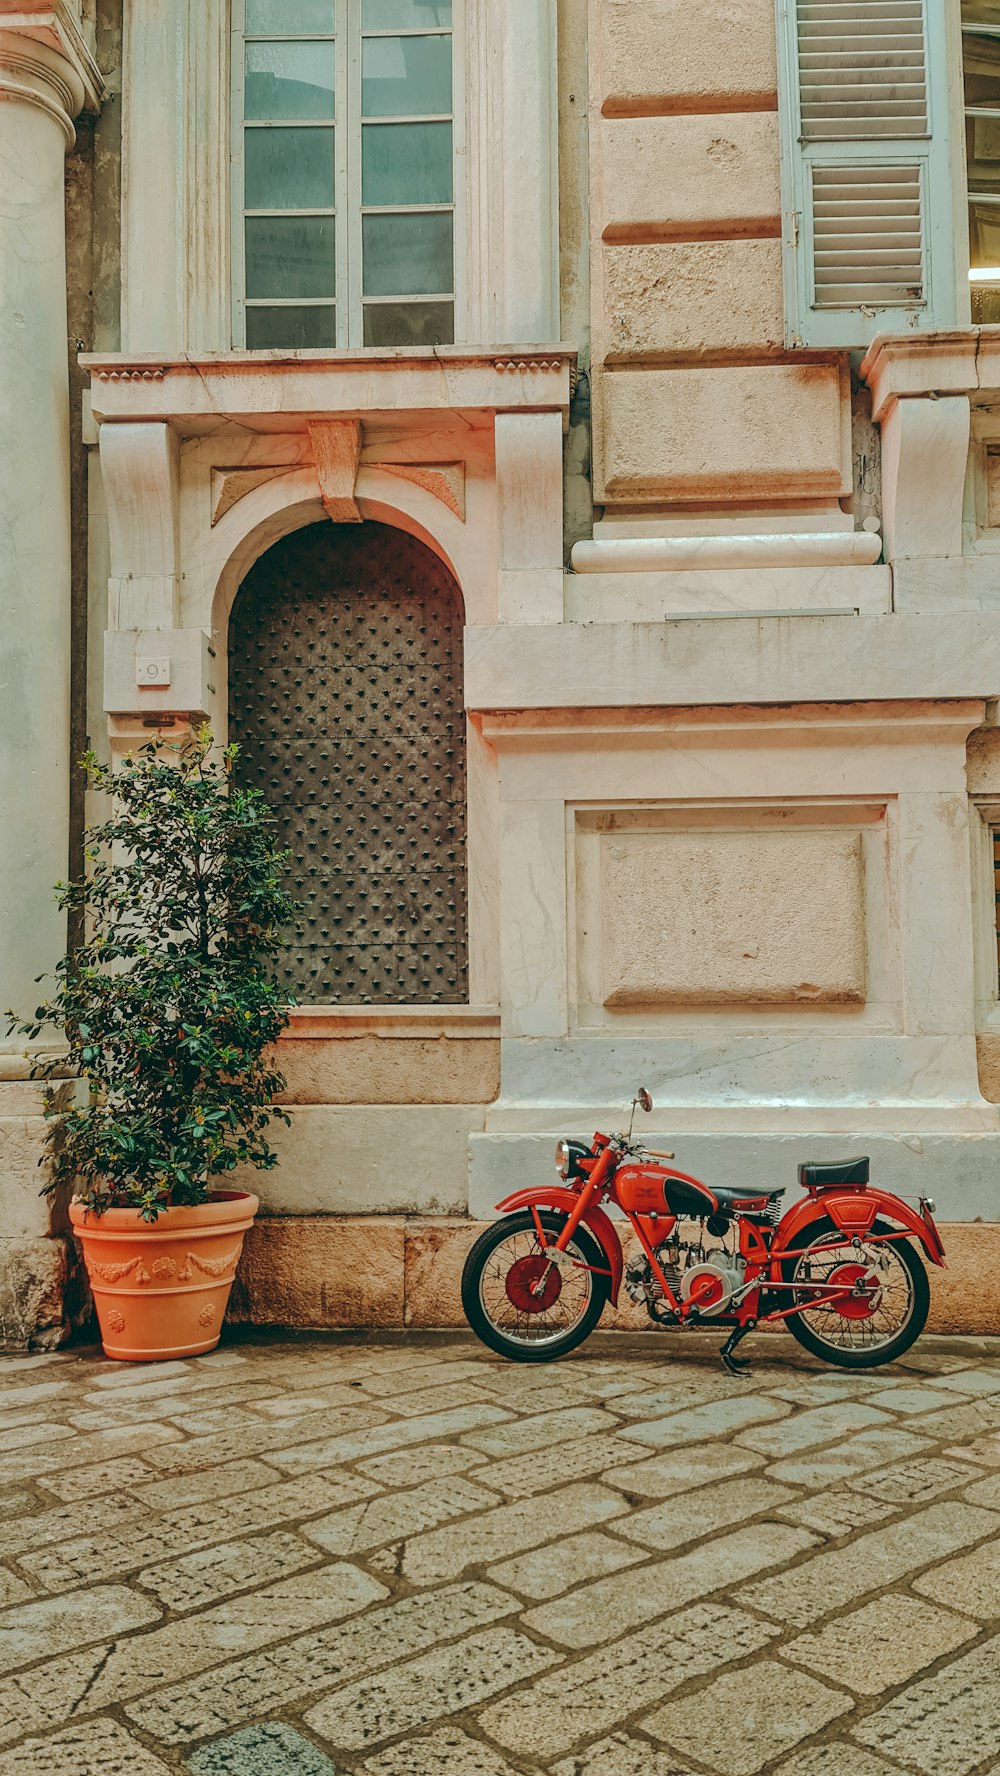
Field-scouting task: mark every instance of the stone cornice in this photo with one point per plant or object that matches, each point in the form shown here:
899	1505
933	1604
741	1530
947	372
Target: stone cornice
45	62
908	365
261	387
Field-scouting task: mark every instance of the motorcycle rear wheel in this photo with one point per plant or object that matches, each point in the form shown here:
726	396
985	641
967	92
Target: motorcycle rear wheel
864	1343
506	1250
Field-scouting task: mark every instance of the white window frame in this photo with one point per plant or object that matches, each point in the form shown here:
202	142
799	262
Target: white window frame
347	124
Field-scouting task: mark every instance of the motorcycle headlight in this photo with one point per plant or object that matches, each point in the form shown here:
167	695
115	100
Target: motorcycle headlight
930	1205
562	1158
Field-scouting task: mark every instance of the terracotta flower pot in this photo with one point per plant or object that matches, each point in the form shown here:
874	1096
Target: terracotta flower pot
161	1287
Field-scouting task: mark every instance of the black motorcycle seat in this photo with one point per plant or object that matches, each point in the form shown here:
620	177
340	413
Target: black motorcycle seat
746	1193
837	1171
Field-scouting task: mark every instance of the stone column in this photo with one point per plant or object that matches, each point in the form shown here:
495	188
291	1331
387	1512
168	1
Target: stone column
42	88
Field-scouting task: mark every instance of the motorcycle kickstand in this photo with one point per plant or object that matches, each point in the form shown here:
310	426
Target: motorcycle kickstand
734	1364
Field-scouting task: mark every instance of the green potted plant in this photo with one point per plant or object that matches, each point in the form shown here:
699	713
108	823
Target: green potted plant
170	1012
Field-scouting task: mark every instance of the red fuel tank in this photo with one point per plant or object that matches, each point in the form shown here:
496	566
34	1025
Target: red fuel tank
655	1190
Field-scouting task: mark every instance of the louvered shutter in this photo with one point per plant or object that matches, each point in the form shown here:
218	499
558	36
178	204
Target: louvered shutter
866	172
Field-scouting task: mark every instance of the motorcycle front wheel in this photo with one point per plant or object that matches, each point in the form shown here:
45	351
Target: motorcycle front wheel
519	1303
868	1333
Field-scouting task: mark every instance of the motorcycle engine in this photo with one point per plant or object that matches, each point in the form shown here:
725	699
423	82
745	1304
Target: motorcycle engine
709	1278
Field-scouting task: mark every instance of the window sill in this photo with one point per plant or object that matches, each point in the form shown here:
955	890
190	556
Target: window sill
342	1022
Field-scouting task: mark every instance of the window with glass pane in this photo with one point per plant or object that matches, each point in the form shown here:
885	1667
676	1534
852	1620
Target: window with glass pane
981	65
347	169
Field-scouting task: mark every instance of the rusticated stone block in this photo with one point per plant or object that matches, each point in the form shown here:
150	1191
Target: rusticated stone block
384	1070
321	1271
739	916
686	172
966	1296
434	1255
721	52
696	297
35	1280
725	433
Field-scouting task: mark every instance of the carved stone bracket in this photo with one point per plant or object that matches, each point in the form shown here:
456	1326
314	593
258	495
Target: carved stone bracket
230	485
336	447
446	481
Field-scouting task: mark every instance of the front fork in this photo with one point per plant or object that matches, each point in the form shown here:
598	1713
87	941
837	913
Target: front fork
590	1193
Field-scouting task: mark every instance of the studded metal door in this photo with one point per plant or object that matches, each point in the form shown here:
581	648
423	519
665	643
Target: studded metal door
345	698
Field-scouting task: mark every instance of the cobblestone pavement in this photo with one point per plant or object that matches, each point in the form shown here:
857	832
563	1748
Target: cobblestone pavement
412	1559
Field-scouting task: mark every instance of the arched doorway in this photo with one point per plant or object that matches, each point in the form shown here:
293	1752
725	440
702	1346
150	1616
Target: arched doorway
345	699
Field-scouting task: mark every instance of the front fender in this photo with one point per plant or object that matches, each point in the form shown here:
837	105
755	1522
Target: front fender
557	1196
853	1211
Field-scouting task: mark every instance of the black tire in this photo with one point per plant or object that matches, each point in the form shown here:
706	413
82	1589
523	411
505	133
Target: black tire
874	1355
545	1349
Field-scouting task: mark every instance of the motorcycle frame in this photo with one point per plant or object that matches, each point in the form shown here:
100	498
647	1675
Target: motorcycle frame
852	1209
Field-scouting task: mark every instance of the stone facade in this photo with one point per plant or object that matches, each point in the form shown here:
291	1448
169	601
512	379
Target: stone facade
732	646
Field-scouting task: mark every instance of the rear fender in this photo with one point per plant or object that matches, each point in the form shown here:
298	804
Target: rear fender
853	1211
600	1224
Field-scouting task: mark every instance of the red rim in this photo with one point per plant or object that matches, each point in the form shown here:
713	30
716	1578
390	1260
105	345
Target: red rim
854	1307
523	1277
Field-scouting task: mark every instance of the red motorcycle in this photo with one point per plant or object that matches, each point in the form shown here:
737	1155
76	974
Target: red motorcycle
838	1267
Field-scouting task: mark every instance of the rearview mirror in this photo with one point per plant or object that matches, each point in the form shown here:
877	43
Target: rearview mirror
643	1099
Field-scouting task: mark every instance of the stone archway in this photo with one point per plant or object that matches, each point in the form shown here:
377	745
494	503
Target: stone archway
345	699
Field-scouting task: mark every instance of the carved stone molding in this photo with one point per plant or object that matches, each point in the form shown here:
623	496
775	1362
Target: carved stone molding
337	451
230	485
446	481
50	79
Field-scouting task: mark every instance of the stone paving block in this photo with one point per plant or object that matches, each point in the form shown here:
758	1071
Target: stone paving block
506	1530
143	1543
520	1476
831	1580
213	1573
960	1423
984	1380
621	1755
839	1759
448	1752
822	1389
806	1430
396	1515
97	1748
676	1394
909	1399
33	1464
30	1436
883	1644
110	1377
681	1470
548	1571
721	1418
261	1439
51	1625
971	1583
411	1467
426	1373
400	1434
914	1482
985	1492
441	1398
944	1725
35	1393
204	1483
983	1450
13	1589
99	1477
578	1702
542	1431
418	1691
108	1674
691	1516
869	1449
610	1606
746	1718
270	1749
299	1669
837	1512
16	1502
